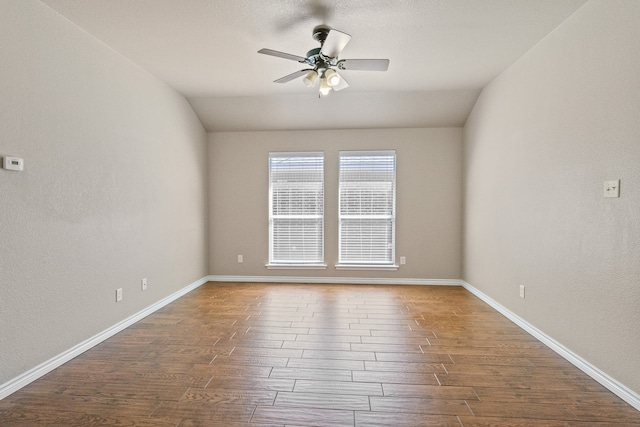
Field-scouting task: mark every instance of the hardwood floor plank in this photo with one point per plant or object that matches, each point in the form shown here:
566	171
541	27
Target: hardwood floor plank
303	416
311	374
575	413
204	411
403	419
394	377
464	359
418	340
236	359
429	391
387	348
339	331
254	343
381	327
413	357
349	402
317	345
337	387
265	352
339	355
278	330
329	338
468	421
422	368
141	392
236	397
351	365
199	423
275	384
419	405
219	369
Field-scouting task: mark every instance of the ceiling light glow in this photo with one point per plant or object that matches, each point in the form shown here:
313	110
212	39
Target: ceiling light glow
324	87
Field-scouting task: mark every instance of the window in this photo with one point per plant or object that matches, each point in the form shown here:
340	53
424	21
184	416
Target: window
296	209
367	208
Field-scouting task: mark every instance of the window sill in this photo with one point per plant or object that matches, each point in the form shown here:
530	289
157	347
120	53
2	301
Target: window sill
366	267
296	266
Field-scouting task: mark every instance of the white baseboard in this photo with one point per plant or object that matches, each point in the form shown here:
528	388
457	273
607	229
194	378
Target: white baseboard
33	374
616	387
336	280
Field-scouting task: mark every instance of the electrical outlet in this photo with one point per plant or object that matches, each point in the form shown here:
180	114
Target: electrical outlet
403	260
612	188
240	258
118	294
521	291
144	284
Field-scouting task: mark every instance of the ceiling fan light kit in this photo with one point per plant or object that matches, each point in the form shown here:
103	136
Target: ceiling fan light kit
324	61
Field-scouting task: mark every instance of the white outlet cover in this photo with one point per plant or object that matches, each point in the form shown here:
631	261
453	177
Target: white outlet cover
13	163
612	188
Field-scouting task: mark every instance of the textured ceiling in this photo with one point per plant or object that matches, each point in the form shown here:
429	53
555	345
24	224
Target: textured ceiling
442	53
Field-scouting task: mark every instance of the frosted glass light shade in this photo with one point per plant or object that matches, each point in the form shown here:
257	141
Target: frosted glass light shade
333	78
310	79
324	87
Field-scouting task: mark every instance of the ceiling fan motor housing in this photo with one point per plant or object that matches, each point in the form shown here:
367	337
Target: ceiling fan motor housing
317	60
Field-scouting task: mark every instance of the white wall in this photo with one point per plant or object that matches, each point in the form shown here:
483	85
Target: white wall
114	187
428	202
539	143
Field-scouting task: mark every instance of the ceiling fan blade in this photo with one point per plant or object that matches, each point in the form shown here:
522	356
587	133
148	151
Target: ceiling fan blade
364	64
342	84
282	55
292	76
335	42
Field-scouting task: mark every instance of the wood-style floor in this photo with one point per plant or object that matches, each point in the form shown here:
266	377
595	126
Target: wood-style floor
231	354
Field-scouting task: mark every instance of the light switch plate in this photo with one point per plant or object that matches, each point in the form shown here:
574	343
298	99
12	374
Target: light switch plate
612	188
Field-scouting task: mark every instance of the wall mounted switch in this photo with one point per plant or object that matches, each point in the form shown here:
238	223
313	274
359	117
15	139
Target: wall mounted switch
521	291
612	188
240	258
118	294
144	284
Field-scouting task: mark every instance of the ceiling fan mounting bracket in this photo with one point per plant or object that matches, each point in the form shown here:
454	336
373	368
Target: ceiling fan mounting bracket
320	33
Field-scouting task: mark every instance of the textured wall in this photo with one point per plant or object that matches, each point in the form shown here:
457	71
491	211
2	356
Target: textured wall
114	187
429	198
538	145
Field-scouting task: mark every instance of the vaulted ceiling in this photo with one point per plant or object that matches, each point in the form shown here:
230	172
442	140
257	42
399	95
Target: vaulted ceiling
442	53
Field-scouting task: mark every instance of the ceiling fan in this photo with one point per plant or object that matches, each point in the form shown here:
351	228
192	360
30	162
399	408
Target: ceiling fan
324	63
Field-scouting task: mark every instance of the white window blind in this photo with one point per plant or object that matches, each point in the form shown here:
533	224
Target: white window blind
367	208
296	208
